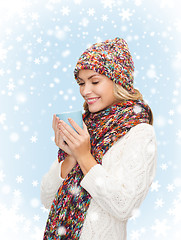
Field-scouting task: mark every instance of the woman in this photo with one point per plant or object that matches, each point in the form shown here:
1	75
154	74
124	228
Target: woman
103	171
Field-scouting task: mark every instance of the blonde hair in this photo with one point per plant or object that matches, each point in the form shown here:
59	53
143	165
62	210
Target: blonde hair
122	94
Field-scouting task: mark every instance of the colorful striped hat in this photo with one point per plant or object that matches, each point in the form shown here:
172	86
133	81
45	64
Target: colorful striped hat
111	58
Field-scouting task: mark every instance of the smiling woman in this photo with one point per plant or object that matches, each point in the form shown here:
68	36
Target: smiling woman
105	170
96	89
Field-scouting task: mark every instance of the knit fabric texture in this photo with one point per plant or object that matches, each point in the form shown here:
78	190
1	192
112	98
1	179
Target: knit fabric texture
69	208
111	58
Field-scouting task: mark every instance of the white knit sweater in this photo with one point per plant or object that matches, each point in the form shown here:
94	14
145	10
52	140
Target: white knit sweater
117	187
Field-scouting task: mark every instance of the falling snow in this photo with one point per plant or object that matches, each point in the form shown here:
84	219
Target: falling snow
39	45
125	14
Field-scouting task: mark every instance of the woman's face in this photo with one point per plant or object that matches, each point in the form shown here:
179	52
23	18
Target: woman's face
96	89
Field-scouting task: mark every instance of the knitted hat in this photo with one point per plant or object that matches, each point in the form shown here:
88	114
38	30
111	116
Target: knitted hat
111	58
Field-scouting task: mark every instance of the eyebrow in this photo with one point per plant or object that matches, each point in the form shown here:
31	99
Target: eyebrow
96	74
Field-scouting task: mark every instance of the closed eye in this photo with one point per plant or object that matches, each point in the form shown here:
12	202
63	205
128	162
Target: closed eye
80	84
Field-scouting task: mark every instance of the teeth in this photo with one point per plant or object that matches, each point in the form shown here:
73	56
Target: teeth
91	100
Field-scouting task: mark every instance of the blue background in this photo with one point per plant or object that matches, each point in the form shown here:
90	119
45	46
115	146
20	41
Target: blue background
40	42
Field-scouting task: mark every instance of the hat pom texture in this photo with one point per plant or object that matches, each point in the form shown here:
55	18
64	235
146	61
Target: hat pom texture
111	58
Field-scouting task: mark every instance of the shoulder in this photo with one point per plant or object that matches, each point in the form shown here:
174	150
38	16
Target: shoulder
135	150
143	129
138	135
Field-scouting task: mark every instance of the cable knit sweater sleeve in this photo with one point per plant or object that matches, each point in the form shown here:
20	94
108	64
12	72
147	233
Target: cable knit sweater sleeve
121	183
50	183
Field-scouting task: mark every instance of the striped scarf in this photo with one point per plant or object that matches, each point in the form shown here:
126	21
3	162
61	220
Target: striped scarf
68	210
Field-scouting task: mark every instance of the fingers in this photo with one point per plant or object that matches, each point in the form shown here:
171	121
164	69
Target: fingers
56	129
85	127
62	143
59	135
76	126
69	131
54	120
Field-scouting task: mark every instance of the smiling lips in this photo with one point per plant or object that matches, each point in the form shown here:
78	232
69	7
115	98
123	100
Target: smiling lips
91	100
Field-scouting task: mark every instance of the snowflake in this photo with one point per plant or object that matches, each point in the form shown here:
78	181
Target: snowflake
177	182
35	183
170	187
91	11
66	53
171	112
104	18
11	86
39	40
14	137
35	16
35	202
159	203
151	73
155	186
8	31
36	218
44	209
125	14
17	193
84	22
135	213
65	11
37	61
2	176
36	233
135	235
175	92
75	190
19	39
19	179
164	166
10	217
160	121
160	228
61	231
138	2
2	118
18	65
108	3
33	139
60	34
177	210
170	121
137	109
17	156
153	90
77	2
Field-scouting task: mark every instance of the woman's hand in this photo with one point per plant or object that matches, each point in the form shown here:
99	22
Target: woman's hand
59	141
78	142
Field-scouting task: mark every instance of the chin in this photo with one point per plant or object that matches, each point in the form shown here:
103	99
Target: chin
94	109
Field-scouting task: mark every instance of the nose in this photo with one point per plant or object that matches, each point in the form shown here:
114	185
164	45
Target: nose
86	90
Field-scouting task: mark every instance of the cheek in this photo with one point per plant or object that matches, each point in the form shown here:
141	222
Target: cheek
80	90
108	90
